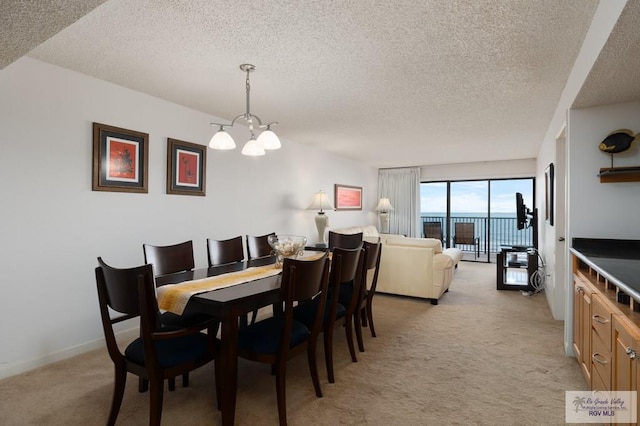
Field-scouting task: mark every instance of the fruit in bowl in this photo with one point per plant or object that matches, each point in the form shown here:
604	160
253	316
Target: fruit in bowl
290	246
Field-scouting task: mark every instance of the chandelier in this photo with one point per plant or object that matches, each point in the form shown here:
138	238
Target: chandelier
254	147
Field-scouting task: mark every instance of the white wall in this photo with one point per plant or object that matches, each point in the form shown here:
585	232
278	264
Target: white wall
481	170
52	226
602	210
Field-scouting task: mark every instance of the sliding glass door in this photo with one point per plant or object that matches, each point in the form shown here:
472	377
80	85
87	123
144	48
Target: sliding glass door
477	216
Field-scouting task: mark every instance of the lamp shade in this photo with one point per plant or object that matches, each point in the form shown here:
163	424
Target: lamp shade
384	205
222	140
320	202
253	148
269	140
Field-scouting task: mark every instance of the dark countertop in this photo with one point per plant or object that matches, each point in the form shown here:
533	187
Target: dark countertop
616	260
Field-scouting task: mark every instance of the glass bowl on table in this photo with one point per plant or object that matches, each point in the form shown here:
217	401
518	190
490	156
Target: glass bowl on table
284	246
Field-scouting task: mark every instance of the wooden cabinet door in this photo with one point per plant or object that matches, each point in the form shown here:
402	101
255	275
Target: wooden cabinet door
625	352
577	298
582	325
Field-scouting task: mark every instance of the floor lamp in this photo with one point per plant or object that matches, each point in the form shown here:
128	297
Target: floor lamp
384	207
321	202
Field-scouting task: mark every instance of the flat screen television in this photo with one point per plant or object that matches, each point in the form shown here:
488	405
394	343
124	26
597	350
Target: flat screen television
521	211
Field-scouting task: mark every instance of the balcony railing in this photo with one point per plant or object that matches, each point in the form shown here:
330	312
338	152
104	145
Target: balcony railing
493	233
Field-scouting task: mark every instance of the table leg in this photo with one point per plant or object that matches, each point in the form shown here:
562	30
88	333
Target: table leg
229	367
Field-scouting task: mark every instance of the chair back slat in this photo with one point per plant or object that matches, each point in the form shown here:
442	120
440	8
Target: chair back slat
258	246
345	241
169	259
464	233
222	252
121	286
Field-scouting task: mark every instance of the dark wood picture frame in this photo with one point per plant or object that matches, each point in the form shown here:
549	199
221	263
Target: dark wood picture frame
347	197
120	159
549	193
186	168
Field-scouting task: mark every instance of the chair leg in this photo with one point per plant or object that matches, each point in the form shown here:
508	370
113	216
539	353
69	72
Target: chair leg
143	385
313	367
348	328
358	326
185	380
370	316
363	317
328	353
172	384
218	379
281	392
118	393
155	402
254	315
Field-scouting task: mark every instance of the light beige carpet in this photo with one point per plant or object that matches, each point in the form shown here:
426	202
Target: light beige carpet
481	356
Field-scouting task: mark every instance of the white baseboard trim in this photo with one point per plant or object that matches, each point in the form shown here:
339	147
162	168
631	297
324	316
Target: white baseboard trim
24	366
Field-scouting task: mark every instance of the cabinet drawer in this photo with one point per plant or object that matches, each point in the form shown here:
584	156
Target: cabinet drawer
601	320
600	363
597	383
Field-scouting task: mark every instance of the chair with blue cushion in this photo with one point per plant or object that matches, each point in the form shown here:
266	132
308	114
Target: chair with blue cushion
160	353
257	248
364	314
170	260
342	302
279	338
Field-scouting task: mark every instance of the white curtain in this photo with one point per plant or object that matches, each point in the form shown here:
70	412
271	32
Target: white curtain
402	188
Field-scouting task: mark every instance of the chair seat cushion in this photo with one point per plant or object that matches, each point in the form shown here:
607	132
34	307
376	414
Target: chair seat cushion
265	336
306	313
171	352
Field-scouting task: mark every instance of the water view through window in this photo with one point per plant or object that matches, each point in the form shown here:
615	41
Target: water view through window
486	208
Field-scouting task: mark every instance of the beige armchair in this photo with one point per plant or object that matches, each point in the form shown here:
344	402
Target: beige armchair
416	267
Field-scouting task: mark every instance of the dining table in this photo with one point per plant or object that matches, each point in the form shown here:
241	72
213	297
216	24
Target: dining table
229	304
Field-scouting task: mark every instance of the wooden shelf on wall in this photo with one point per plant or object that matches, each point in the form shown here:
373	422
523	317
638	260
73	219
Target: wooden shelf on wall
619	174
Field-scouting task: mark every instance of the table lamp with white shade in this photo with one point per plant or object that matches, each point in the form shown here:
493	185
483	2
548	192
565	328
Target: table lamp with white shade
321	202
384	207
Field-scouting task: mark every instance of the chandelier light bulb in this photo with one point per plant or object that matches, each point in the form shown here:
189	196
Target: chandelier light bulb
269	140
252	148
222	140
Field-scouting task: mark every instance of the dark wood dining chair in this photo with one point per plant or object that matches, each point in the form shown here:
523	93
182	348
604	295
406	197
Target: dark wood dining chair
258	246
159	353
342	301
279	338
465	235
364	315
345	241
221	252
169	259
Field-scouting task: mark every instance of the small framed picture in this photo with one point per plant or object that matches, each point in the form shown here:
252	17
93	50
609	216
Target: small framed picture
348	197
120	159
186	168
549	185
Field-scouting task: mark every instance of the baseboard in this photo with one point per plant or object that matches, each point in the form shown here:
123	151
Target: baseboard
24	366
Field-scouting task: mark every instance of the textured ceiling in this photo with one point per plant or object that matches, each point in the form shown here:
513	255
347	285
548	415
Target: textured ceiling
391	83
615	77
26	24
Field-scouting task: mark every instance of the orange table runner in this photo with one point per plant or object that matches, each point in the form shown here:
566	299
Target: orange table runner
174	297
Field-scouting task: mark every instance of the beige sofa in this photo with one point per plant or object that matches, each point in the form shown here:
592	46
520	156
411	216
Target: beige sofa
416	267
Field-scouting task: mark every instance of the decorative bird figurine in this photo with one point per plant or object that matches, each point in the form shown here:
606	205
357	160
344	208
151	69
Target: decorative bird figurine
617	141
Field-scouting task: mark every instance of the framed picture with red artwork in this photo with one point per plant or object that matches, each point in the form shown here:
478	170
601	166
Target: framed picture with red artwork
120	159
186	168
348	197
